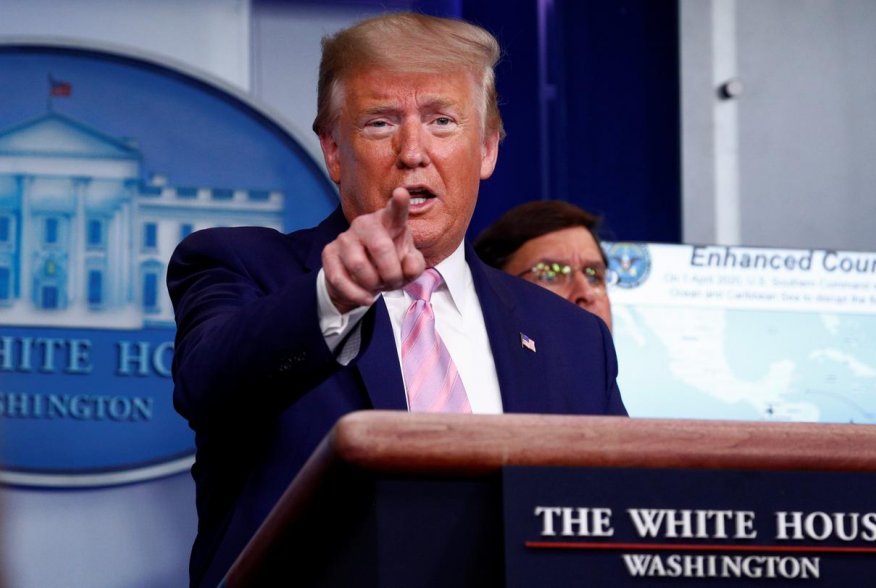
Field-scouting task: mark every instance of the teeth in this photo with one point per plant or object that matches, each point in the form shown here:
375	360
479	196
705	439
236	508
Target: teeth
416	201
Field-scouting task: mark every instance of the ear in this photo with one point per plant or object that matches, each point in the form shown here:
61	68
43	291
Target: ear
331	155
489	154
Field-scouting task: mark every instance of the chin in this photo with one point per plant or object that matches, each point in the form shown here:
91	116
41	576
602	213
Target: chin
429	240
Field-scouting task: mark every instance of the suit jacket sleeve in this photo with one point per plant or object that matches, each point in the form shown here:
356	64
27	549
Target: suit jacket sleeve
248	336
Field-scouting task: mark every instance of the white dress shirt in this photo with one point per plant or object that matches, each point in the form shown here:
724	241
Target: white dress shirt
458	319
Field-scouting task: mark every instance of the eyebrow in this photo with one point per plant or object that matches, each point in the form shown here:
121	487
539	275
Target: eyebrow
429	104
380	110
438	103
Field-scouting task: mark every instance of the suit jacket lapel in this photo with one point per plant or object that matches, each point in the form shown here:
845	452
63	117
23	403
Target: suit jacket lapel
378	361
520	379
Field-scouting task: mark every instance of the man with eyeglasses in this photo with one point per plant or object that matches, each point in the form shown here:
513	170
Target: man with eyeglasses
553	244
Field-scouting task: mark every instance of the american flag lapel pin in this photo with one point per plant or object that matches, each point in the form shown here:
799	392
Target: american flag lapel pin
526	342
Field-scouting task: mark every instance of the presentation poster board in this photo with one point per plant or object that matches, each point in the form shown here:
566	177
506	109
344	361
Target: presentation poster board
744	332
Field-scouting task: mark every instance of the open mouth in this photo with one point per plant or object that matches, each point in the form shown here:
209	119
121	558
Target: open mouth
420	195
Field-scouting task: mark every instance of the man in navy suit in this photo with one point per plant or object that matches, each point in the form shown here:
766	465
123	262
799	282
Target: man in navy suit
281	335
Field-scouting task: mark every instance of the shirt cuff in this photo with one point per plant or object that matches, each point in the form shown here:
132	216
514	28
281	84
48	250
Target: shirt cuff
334	325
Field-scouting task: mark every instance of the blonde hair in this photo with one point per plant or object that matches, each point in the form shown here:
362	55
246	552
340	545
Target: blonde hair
407	42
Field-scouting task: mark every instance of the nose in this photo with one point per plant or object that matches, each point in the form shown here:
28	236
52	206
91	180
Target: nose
413	145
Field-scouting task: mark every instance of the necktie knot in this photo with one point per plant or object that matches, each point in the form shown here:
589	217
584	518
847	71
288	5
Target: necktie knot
423	286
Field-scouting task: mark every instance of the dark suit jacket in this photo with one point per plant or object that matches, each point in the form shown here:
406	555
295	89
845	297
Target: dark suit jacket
258	385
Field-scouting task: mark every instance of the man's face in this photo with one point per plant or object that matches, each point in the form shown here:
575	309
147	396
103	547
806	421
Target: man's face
423	132
575	248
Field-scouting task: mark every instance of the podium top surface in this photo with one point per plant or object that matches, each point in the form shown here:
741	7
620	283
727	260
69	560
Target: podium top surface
448	444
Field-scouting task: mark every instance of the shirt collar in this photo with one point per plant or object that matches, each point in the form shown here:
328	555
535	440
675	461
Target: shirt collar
456	276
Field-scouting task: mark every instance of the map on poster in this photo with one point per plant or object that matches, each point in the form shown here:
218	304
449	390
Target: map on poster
745	333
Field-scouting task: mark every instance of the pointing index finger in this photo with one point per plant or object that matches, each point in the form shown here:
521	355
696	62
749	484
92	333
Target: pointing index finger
396	218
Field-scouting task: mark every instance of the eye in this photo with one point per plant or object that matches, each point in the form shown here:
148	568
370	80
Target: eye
378	127
595	276
551	272
443	123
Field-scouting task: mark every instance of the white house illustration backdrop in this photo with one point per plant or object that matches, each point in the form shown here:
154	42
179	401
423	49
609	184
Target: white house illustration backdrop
85	240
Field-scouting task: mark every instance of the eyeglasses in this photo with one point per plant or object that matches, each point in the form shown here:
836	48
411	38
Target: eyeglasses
560	275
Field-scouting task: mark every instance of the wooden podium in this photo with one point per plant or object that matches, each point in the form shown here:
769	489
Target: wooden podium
401	499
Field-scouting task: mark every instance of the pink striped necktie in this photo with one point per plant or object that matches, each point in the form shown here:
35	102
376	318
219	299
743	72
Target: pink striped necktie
431	377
